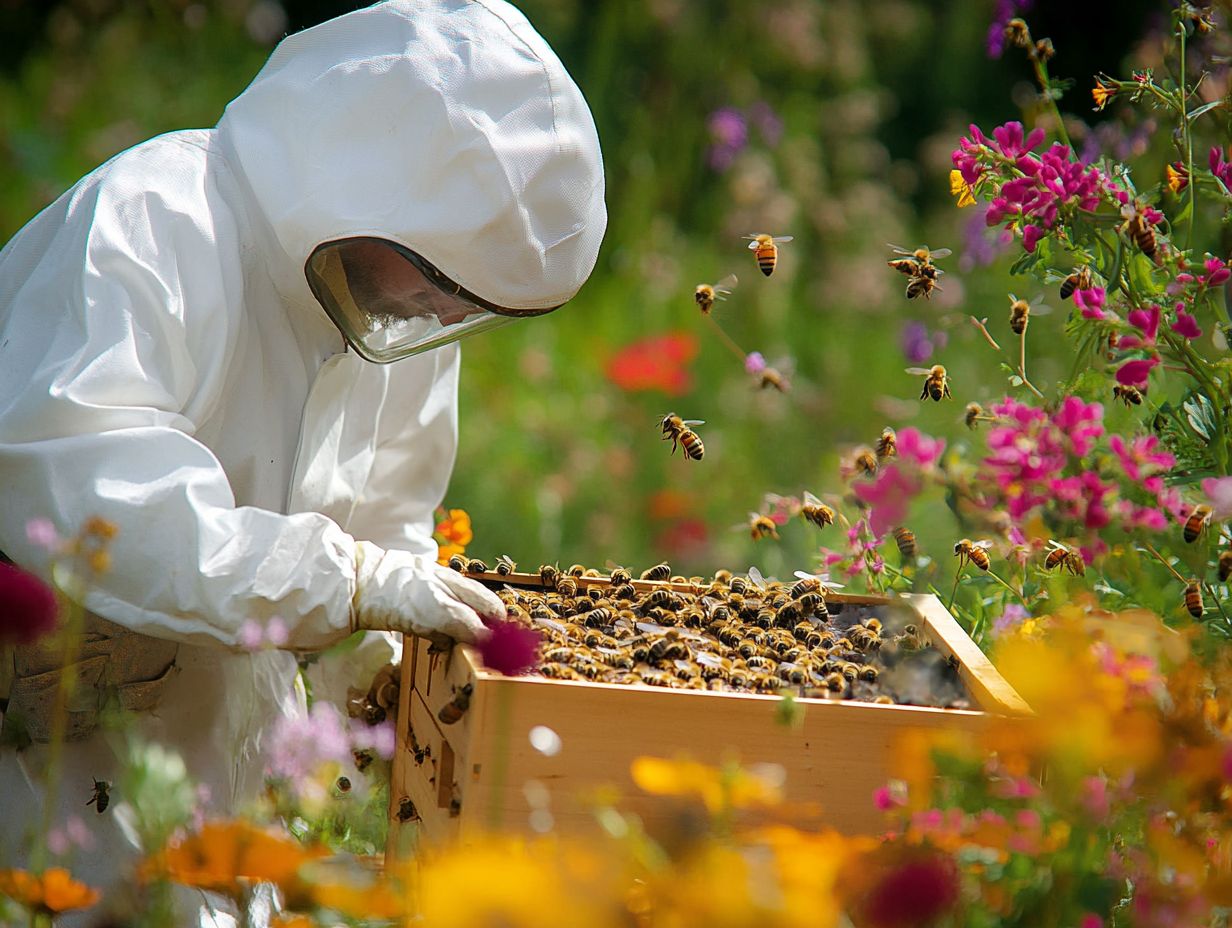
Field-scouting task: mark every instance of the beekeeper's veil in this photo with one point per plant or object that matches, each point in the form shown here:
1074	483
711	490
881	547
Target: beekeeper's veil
428	165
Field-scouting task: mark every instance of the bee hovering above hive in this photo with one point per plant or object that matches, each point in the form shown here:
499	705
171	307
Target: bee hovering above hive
707	294
765	249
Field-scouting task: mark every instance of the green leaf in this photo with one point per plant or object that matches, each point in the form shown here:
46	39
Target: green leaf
1025	262
1194	114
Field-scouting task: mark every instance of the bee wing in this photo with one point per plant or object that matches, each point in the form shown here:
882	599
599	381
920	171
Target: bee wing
752	244
694	421
651	628
780	239
710	660
898	250
810	499
1055	545
918	370
942	253
981	544
756	578
727	284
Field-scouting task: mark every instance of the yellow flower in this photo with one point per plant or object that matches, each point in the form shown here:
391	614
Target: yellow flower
224	853
1178	177
455	528
961	189
52	891
1102	93
446	551
729	787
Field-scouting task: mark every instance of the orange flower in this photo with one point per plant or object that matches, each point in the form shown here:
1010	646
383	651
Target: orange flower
720	788
223	853
1102	93
54	890
453	533
1178	177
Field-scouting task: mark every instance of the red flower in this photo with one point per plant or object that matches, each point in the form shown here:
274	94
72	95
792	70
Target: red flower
659	362
28	607
915	892
509	648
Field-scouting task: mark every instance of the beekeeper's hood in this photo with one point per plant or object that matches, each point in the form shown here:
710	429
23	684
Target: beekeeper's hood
430	167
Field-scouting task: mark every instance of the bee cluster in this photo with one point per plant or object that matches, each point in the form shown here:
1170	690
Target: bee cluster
729	633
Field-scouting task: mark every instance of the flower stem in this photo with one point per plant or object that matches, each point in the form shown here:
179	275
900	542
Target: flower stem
1218	603
1022	364
1161	560
980	324
954	592
1017	595
727	339
1188	138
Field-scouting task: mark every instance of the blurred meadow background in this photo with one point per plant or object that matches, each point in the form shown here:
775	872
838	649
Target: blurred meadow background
829	121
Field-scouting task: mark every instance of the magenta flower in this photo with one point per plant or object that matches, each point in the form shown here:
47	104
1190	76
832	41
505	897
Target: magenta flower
1135	373
918	343
1218	492
1031	236
1091	302
917	891
28	606
1216	272
1147	322
915	446
1081	422
1011	142
1186	325
1140	459
889	496
754	363
509	648
1220	168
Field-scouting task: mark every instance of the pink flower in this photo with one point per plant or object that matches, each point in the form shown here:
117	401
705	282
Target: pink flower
1081	422
915	446
1146	320
754	363
1017	788
1134	373
1094	797
1031	236
298	745
1185	325
1091	302
1011	142
28	606
276	631
1218	492
1216	272
891	796
250	636
889	496
1011	617
1140	459
917	891
1091	920
510	648
379	738
42	533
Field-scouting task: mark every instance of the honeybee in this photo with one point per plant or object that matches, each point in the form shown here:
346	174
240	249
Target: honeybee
1139	228
924	283
456	707
739	585
869	674
505	565
974	551
657	599
1130	396
807	583
658	572
1066	558
1020	315
887	444
343	784
815	511
1197	522
972	415
679	431
619	576
548	574
762	526
936	382
624	591
559	672
835	682
863	461
406	810
576	570
765	249
788	614
773	377
1079	280
100	797
706	294
922	256
363	758
476	566
905	539
457	562
722	575
1193	598
566	585
1225	565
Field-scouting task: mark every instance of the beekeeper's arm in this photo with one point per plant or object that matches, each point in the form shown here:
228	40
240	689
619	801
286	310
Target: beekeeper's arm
115	349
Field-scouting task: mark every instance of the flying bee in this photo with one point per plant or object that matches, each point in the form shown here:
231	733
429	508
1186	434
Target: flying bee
505	565
769	377
863	460
973	414
1193	598
1056	555
887	444
706	294
1130	396
923	256
1020	315
974	551
456	707
765	249
476	566
1079	280
679	431
100	796
936	382
815	511
1197	522
762	526
924	283
1225	565
1140	230
457	562
905	539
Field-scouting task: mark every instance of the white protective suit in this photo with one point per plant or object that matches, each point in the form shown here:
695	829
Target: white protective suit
164	364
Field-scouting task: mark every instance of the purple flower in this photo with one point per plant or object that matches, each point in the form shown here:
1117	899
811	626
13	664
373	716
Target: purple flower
729	134
1031	236
754	363
917	346
769	124
299	744
509	648
1013	616
28	607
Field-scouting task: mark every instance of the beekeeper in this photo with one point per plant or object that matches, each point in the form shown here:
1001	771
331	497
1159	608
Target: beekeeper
238	345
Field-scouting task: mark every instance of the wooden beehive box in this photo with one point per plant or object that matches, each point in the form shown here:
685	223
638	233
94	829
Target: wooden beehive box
449	780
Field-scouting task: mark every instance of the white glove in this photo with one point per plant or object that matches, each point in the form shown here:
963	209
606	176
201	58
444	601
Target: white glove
404	592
